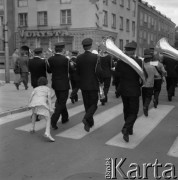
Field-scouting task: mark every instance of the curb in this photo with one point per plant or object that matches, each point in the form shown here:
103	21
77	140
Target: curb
14	111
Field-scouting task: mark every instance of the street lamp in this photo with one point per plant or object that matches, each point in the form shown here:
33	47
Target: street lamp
7	73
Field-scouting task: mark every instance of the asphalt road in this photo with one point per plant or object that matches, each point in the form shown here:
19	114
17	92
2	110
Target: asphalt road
25	156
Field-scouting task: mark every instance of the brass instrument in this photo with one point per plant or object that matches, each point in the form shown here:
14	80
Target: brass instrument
109	46
166	49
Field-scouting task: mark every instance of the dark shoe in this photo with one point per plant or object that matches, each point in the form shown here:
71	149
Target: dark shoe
64	121
17	86
37	118
126	137
91	123
86	125
169	98
54	127
76	99
155	103
145	111
130	132
26	87
102	103
72	100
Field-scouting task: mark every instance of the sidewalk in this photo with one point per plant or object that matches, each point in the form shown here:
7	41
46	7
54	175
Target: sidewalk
13	100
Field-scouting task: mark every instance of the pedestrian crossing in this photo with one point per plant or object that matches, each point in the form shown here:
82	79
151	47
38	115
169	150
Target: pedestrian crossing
142	128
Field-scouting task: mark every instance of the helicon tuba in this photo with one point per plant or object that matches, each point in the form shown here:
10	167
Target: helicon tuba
165	48
112	49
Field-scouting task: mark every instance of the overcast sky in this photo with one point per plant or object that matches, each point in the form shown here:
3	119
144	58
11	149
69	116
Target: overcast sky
166	7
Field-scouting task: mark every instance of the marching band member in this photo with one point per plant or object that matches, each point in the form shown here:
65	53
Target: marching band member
129	89
88	82
74	79
59	67
150	73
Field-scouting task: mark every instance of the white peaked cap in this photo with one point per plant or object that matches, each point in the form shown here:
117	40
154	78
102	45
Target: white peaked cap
95	52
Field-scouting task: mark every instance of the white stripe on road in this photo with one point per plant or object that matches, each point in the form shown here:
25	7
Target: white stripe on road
14	117
143	126
78	132
173	151
18	116
41	124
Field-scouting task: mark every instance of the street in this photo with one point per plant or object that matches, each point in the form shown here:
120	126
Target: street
76	152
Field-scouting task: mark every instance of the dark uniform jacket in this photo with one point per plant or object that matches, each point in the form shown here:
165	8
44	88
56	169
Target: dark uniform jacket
171	66
73	72
37	68
59	67
106	64
129	79
86	64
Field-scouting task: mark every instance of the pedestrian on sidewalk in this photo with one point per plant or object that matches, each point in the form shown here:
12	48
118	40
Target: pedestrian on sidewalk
23	63
16	67
40	102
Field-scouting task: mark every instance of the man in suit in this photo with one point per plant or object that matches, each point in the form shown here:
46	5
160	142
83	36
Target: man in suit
23	64
88	82
106	64
130	89
171	67
37	67
74	79
59	67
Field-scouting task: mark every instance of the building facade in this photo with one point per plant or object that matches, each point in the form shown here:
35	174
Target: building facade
44	22
11	26
152	26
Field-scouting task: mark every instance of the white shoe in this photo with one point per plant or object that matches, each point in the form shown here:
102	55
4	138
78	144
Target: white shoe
49	137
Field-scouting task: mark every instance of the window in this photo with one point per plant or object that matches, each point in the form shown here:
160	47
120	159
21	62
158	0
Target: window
145	18
65	1
114	21
121	46
66	16
122	3
141	19
133	28
105	23
22	19
134	10
105	2
22	3
128	7
42	18
121	23
127	25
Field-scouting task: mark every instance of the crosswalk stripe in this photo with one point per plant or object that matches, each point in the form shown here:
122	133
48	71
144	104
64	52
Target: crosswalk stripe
20	115
78	132
143	126
173	151
14	117
41	124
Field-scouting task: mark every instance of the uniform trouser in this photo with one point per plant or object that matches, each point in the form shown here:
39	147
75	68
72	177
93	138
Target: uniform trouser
106	82
170	85
90	100
75	88
147	93
23	78
130	108
60	106
157	89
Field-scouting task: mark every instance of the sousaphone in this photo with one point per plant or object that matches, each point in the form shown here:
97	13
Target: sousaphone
112	49
166	49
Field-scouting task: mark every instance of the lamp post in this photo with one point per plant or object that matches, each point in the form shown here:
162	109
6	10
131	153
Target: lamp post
7	73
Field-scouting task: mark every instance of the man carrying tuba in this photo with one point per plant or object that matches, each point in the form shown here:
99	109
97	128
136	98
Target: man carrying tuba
130	89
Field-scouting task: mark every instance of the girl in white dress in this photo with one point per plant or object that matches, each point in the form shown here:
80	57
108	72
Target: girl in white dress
40	102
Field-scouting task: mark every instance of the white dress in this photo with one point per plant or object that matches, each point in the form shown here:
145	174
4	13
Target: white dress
40	101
